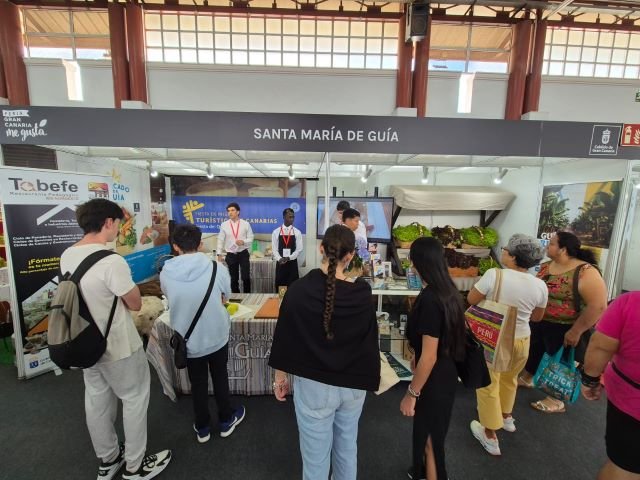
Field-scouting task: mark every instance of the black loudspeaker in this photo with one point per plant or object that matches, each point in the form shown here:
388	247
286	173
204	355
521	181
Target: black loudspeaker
375	192
417	21
335	191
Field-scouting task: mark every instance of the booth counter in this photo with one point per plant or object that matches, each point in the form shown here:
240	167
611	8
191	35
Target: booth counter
249	347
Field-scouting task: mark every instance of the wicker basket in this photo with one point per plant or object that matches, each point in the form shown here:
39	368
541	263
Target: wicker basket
400	244
463	272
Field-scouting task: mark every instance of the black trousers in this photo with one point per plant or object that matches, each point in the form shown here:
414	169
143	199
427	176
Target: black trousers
547	337
199	369
286	273
239	263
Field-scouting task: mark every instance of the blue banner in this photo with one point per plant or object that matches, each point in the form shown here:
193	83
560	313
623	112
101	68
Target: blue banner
263	213
144	264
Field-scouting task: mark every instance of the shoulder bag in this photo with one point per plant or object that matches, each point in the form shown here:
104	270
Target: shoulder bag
178	342
494	326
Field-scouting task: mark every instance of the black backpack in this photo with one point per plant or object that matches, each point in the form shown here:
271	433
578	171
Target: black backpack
75	341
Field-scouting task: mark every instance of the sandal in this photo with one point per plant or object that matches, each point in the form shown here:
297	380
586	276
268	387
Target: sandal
546	406
523	383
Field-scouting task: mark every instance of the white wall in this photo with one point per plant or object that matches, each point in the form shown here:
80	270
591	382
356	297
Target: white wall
48	84
302	90
589	100
250	89
488	100
631	277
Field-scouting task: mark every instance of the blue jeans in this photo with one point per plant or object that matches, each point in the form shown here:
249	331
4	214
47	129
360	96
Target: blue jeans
328	425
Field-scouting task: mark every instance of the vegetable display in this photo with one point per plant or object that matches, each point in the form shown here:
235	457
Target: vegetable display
487	264
460	260
448	236
479	237
411	232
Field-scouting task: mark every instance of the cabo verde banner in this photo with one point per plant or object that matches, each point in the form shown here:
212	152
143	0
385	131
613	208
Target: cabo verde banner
264	214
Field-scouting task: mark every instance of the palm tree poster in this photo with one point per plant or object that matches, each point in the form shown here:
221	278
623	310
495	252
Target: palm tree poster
585	209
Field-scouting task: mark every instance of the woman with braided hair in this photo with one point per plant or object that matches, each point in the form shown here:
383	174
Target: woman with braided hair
326	338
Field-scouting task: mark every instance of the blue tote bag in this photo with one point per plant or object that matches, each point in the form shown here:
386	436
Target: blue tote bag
558	377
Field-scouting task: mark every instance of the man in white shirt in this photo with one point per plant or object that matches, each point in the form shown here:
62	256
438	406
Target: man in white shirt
123	371
351	218
286	244
236	238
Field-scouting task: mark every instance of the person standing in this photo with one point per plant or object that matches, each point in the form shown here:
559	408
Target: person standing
236	238
436	334
351	218
185	280
529	295
287	245
123	371
336	217
615	350
577	298
327	339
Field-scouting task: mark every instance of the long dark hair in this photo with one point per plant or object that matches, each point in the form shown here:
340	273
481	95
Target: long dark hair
572	244
338	241
427	256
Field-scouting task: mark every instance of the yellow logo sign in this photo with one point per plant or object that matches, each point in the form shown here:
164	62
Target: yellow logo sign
115	175
190	207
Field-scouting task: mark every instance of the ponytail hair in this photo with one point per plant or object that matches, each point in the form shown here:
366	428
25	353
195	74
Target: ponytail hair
573	246
338	242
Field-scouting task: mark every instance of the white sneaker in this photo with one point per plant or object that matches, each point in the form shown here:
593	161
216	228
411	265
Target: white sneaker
509	424
491	445
152	466
107	471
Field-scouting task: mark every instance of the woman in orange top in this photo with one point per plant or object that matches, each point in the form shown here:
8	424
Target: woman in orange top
572	309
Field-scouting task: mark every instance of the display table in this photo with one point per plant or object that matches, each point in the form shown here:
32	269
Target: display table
249	348
263	275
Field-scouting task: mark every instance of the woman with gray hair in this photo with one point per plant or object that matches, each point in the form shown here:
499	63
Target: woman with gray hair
529	295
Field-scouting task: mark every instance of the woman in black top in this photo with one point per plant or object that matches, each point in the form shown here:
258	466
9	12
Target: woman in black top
436	332
327	339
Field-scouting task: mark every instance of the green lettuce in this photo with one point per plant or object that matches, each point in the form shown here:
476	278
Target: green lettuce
409	233
480	237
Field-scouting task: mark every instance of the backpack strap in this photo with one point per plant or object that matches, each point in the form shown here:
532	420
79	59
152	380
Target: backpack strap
83	268
577	299
204	301
87	263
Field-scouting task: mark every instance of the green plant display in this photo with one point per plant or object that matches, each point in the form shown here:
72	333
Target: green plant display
411	232
480	237
486	264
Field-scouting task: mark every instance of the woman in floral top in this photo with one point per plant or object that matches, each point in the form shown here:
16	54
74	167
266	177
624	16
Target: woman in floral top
566	318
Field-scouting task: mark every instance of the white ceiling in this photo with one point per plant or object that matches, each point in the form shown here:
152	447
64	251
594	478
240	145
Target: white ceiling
305	164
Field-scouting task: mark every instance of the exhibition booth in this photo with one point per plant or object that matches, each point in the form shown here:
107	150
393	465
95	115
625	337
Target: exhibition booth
471	183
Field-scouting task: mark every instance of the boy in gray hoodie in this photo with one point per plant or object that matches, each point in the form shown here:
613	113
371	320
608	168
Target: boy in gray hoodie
184	280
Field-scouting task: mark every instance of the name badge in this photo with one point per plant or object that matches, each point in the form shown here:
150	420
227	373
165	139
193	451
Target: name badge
286	252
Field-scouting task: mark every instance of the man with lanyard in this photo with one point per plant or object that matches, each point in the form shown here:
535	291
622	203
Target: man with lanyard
286	243
236	237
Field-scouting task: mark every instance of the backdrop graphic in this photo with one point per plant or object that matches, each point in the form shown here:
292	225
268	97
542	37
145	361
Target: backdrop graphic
261	200
586	209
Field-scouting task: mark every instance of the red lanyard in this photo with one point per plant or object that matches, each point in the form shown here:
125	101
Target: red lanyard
286	239
236	231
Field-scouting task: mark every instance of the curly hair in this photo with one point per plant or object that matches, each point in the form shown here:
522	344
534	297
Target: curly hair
338	242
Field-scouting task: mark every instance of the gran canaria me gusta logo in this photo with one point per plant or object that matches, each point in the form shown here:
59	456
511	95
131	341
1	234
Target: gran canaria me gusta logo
190	207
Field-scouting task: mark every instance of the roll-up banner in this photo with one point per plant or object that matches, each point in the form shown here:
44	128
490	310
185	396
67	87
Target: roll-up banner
40	224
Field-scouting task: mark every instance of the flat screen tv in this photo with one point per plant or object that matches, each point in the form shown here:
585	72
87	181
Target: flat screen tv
375	213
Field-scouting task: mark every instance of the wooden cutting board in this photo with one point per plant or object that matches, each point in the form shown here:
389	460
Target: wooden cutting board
270	309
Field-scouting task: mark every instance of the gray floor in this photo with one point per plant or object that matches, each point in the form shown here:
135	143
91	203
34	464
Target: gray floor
43	436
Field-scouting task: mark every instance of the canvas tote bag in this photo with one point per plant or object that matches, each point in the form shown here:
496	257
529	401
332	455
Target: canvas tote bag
494	325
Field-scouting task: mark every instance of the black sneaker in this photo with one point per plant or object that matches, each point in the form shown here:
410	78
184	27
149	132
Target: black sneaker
106	471
152	466
412	476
